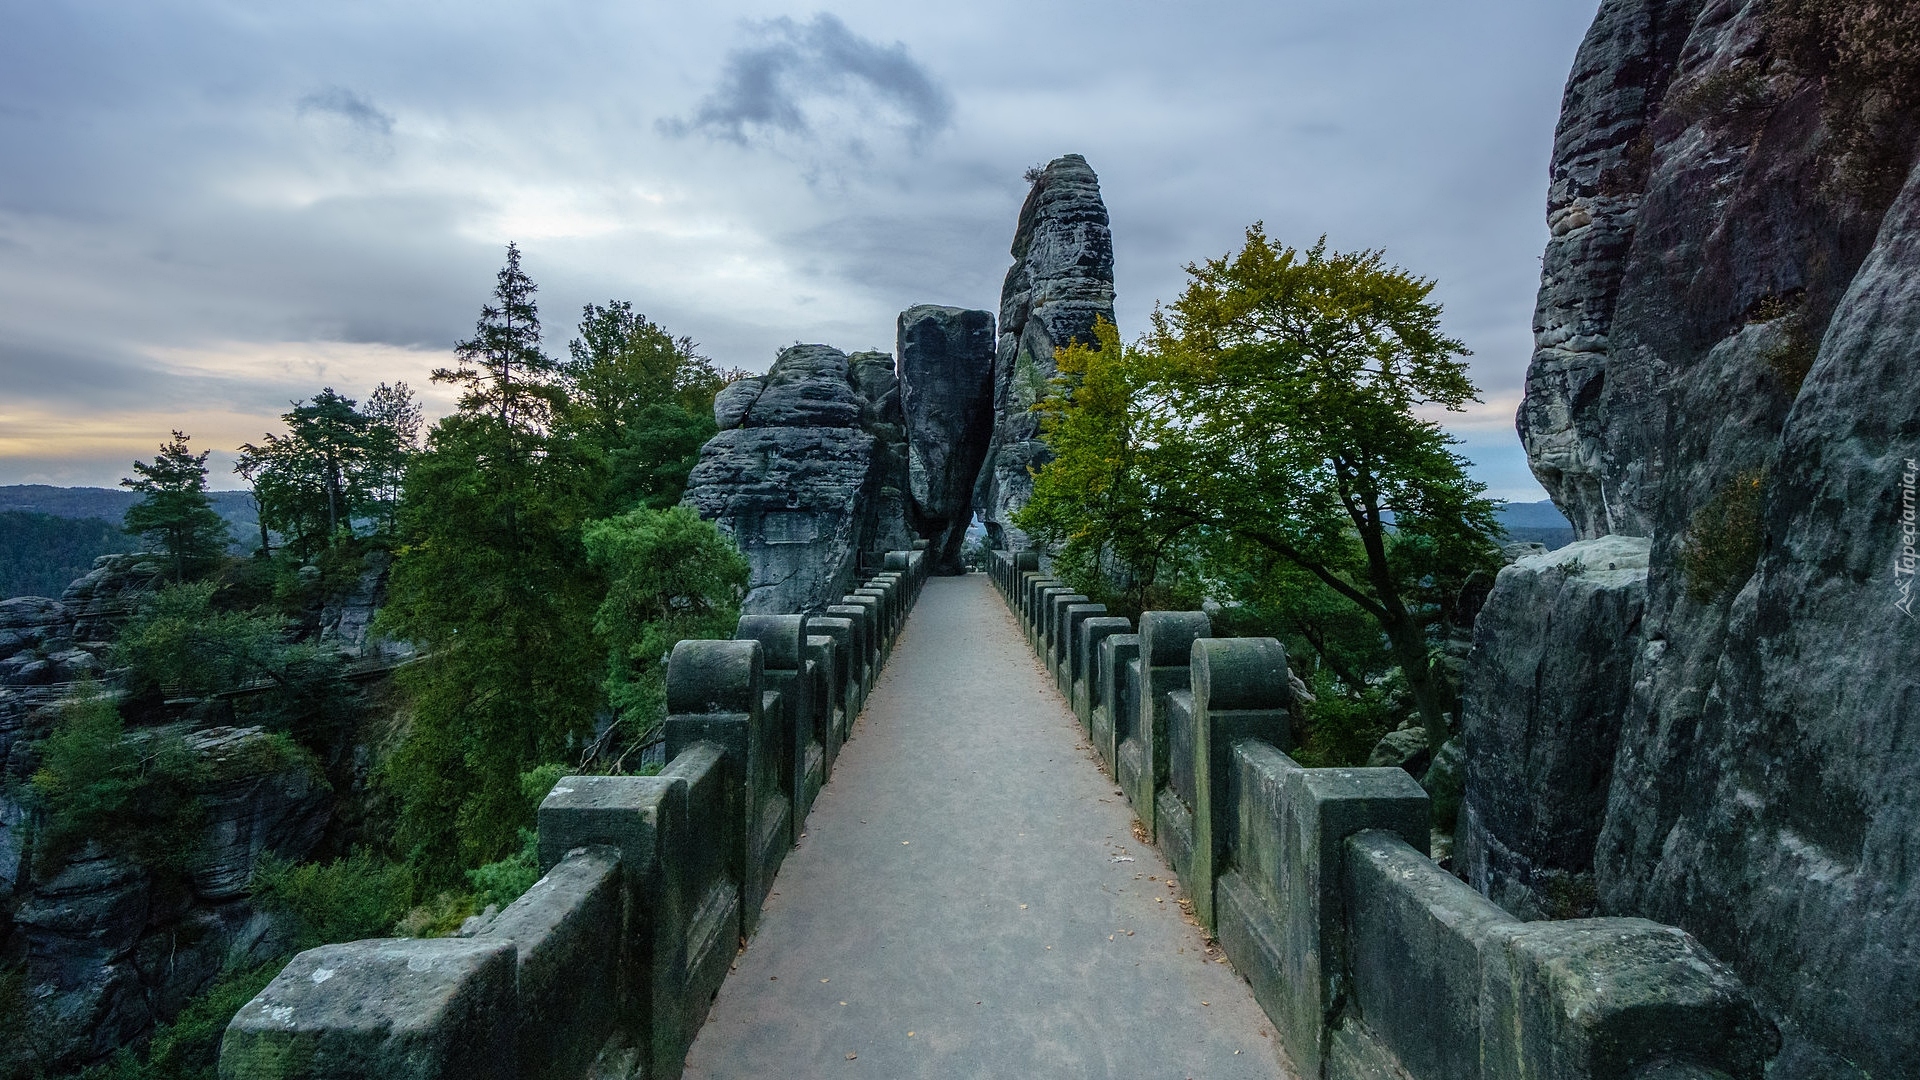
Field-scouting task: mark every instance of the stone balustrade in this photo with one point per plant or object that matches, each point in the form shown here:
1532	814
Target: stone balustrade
607	965
1371	960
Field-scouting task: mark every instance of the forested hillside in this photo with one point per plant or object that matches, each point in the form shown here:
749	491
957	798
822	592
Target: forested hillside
40	554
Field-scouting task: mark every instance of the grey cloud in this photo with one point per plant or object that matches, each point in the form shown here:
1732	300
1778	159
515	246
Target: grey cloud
354	108
765	87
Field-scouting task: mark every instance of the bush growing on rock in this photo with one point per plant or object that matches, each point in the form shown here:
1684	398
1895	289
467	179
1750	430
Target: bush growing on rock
134	794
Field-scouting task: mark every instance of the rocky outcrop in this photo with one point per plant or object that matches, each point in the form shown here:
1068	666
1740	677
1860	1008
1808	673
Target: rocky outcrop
808	471
1540	721
108	594
886	522
110	947
946	377
1061	282
1727	330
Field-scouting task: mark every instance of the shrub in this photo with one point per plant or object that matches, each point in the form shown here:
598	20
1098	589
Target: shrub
1724	538
438	917
1739	88
501	883
1343	726
136	794
360	896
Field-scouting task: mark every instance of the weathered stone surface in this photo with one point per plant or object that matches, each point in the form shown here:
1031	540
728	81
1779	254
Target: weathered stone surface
1542	704
259	801
108	594
400	1009
810	474
1762	791
1060	283
946	376
731	404
346	620
887	518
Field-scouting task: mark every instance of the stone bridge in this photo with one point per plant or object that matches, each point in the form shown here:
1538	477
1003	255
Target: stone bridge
1091	859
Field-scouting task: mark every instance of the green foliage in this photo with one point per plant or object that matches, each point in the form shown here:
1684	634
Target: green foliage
1724	538
336	464
501	883
181	643
1738	88
638	407
360	896
1343	722
40	554
135	794
670	576
501	371
394	438
492	580
1272	419
438	917
188	1048
175	517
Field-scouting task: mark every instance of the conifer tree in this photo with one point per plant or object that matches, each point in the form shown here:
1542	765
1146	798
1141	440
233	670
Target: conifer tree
176	518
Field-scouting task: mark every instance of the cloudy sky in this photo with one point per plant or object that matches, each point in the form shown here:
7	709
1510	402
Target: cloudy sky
208	208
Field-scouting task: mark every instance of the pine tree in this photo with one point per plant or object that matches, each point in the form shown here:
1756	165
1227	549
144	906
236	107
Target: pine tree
501	370
176	518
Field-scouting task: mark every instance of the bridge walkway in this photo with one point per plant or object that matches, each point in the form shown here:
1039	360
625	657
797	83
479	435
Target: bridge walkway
969	900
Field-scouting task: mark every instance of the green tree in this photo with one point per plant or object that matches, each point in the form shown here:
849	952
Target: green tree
501	370
312	481
1273	414
492	581
137	794
180	642
393	439
175	517
671	575
638	406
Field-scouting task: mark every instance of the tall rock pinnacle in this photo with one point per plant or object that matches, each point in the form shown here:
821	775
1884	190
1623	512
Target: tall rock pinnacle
1060	283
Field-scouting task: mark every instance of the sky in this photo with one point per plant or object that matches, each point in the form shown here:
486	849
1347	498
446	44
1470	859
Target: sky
209	209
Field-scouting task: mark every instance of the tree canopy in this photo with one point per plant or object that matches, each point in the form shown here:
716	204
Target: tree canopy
176	517
504	566
1273	423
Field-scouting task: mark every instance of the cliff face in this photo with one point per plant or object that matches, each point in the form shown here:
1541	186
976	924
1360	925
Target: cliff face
946	379
1727	333
1061	281
808	471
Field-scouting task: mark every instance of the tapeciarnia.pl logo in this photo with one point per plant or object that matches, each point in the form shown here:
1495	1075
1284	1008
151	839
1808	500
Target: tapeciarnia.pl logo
1903	563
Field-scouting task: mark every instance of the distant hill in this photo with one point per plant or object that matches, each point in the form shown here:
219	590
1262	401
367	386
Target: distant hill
40	554
47	532
110	505
1536	523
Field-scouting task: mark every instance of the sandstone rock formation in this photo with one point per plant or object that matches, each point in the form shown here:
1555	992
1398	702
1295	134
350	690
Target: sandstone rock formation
946	377
1540	719
1060	283
110	947
1727	334
801	471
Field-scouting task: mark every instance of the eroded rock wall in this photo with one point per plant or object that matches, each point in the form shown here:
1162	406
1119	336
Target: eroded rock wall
1060	283
808	471
946	377
1728	333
